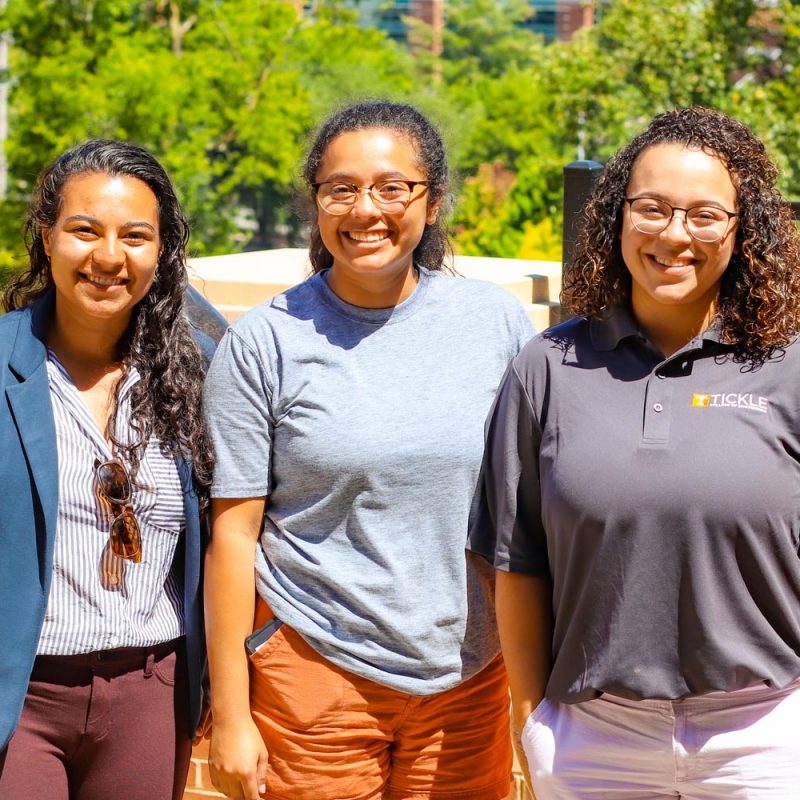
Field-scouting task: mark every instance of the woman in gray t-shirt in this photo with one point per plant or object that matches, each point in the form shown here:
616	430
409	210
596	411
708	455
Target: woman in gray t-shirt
347	418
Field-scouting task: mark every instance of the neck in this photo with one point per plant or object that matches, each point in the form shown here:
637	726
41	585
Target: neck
373	291
88	350
670	327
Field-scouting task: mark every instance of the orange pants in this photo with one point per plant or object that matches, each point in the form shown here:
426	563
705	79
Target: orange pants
332	735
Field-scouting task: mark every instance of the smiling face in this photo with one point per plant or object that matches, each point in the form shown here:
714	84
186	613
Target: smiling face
373	249
103	248
673	275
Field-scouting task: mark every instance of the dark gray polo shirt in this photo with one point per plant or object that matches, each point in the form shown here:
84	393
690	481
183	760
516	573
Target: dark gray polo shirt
662	496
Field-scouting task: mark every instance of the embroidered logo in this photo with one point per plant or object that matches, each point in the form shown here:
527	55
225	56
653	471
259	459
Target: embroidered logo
748	401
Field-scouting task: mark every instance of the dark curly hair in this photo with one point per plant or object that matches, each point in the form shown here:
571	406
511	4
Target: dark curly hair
760	289
159	340
434	246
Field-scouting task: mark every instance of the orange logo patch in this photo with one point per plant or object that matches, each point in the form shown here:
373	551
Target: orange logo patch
701	400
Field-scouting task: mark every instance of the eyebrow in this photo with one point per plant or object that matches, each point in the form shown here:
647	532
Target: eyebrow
135	223
384	176
665	199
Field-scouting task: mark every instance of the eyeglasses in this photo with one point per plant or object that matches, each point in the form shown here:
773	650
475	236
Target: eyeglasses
337	197
704	223
113	485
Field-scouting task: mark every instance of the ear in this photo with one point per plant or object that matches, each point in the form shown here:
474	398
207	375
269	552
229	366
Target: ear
46	240
433	212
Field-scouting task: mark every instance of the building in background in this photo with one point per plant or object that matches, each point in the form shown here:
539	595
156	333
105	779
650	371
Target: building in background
554	19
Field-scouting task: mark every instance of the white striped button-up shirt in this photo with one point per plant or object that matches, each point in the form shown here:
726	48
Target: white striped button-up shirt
98	601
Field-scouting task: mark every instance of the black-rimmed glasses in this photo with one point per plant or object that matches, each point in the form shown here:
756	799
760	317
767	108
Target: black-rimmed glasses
338	197
705	223
113	484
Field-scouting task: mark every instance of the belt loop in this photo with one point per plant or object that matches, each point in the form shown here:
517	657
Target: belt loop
148	665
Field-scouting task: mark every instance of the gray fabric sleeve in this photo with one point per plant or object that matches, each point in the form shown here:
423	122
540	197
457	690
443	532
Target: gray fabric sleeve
237	403
508	527
524	327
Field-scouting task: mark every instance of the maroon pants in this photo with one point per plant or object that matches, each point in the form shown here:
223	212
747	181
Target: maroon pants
101	725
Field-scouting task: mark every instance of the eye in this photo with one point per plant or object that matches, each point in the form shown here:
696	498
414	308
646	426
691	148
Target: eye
650	208
340	191
706	215
84	231
392	190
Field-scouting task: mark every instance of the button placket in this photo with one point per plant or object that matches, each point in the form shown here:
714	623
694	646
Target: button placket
657	405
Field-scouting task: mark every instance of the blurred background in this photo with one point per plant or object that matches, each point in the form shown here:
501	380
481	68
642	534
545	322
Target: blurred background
226	93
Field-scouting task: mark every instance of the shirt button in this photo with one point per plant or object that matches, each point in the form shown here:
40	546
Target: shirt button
658	407
113	641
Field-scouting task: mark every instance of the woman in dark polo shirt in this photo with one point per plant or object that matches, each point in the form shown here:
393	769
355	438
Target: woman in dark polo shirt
642	492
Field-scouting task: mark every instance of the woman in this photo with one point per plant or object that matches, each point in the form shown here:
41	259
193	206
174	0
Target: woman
101	633
642	483
347	417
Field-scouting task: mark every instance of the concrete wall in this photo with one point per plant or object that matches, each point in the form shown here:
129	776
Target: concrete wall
236	283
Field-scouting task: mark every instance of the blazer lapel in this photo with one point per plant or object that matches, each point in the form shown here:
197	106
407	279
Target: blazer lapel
29	401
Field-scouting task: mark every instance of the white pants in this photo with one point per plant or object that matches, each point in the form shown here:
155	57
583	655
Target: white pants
719	746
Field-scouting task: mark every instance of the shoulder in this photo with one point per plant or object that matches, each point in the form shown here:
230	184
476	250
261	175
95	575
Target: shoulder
11	325
556	340
472	289
482	301
286	310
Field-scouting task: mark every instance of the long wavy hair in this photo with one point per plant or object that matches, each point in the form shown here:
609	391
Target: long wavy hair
759	300
434	246
158	341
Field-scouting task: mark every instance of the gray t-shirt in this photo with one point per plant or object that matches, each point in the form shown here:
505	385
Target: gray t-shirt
365	428
663	497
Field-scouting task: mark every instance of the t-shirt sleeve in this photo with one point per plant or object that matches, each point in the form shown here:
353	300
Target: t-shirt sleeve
524	328
507	527
237	403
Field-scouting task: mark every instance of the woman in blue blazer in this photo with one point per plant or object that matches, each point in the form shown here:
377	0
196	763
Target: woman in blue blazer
104	469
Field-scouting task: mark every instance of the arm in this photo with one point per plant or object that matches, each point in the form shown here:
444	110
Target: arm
237	756
524	620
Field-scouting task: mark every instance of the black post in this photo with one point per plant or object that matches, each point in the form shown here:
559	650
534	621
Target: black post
579	180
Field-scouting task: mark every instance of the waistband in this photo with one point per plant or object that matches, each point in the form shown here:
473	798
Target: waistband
75	669
710	700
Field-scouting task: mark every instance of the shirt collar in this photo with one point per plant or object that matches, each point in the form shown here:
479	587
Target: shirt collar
617	322
614	324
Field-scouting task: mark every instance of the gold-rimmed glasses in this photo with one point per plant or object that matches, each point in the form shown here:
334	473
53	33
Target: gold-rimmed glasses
113	484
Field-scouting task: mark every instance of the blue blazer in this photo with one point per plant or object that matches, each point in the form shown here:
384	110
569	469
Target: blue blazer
28	509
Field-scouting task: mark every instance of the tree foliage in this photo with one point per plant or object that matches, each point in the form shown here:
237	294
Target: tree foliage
226	92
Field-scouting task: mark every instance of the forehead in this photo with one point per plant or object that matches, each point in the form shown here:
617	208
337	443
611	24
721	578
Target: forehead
101	195
682	175
371	152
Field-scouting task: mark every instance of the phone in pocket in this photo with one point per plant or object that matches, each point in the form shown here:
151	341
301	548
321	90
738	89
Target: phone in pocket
258	638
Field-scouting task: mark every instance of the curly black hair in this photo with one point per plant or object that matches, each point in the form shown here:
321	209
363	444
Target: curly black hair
434	246
759	301
165	402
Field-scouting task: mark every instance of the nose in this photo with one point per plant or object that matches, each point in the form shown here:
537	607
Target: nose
364	205
108	252
677	229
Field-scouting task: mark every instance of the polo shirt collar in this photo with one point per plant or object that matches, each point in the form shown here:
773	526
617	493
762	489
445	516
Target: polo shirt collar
614	324
617	322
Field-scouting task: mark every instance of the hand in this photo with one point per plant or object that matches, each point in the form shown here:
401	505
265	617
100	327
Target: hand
237	760
522	760
203	729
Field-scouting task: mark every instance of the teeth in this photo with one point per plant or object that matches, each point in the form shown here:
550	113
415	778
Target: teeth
104	281
665	262
367	236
